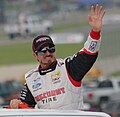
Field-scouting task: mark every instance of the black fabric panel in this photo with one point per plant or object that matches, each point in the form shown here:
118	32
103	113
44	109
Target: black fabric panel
27	97
79	64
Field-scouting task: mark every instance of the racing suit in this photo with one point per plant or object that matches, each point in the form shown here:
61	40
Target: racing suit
60	85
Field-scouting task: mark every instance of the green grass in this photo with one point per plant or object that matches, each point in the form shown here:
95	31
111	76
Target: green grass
3	36
22	53
15	54
110	46
64	50
71	26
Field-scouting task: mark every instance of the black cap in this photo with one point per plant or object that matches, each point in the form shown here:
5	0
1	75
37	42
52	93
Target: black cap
41	41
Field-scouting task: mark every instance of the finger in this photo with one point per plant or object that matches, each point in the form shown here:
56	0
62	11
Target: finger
92	10
103	14
100	10
96	9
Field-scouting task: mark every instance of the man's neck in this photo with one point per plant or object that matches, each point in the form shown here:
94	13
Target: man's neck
46	69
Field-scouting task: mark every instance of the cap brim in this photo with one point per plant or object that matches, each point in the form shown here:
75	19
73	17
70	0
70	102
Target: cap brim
44	45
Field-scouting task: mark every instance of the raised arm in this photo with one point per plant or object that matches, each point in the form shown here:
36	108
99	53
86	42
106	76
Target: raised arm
79	64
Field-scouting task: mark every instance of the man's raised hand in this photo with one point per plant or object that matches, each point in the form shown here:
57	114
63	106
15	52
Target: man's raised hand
95	18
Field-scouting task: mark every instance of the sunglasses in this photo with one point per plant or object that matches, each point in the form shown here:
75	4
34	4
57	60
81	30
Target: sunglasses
44	50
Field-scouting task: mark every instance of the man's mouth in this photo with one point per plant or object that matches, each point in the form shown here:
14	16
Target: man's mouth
49	56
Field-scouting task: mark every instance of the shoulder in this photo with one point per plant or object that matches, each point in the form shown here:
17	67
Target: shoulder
31	72
60	61
71	58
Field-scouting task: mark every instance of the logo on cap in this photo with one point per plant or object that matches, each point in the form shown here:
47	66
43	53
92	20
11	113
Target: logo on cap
42	39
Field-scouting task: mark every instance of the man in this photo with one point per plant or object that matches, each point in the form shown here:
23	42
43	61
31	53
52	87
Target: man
57	83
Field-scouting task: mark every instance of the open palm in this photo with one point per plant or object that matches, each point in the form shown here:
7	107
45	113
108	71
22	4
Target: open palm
95	18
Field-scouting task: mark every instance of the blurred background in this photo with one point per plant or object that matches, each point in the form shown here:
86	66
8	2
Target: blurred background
66	21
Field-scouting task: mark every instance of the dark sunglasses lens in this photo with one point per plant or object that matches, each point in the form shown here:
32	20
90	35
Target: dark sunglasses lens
51	50
44	50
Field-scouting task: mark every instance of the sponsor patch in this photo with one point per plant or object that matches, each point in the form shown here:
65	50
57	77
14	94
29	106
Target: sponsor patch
36	84
92	46
50	95
56	77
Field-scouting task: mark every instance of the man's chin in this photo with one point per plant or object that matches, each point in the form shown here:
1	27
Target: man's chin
47	63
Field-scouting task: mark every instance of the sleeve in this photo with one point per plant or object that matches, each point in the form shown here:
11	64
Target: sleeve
79	64
27	97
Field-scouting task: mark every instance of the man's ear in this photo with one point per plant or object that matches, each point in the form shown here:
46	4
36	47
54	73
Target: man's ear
35	55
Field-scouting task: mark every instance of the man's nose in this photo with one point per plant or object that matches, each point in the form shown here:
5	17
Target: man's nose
47	52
